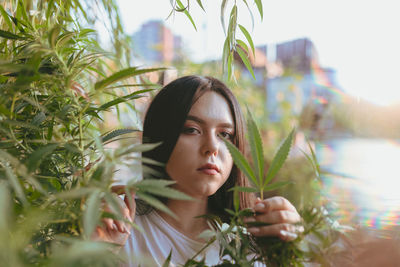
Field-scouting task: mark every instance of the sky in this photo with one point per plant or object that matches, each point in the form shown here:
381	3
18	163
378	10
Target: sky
358	38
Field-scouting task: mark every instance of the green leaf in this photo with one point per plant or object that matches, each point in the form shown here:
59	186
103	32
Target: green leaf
121	75
260	7
244	189
242	44
36	157
154	183
168	260
256	146
75	193
240	161
223	8
6	17
11	36
15	184
276	185
184	10
201	5
246	61
165	192
5	206
137	148
248	38
123	99
39	118
156	203
279	158
92	213
116	133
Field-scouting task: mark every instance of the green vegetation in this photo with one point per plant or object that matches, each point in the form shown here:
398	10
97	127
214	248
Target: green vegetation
57	164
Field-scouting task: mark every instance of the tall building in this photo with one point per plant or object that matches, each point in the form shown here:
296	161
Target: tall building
296	55
155	43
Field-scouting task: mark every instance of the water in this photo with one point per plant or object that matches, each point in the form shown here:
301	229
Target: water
364	183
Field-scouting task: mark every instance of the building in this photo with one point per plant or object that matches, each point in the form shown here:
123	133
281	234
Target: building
155	43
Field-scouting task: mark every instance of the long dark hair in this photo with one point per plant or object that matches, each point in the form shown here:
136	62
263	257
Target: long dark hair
164	122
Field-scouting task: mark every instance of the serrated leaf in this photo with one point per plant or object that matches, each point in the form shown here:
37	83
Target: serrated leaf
92	213
256	146
276	185
156	203
259	7
36	157
121	75
279	158
246	61
246	213
39	118
240	161
248	38
116	133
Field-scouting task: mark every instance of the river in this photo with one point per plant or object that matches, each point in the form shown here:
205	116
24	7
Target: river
364	182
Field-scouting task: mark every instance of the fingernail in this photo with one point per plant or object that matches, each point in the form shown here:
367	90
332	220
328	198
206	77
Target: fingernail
301	229
114	227
130	219
288	234
253	230
259	206
258	198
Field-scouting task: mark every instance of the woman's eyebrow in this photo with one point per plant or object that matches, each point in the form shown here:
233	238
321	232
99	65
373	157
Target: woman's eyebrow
201	121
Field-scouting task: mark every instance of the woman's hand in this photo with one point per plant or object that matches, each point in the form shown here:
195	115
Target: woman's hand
115	231
281	216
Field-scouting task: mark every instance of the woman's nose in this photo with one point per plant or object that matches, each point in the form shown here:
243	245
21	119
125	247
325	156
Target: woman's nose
210	144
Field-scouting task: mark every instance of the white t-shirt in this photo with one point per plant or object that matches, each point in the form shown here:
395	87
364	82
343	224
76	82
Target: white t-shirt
152	247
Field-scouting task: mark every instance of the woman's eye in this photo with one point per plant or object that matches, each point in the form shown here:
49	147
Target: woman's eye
226	135
190	130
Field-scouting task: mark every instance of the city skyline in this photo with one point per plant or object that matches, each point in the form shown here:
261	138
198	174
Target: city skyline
362	50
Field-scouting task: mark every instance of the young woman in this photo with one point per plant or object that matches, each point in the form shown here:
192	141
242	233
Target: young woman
190	116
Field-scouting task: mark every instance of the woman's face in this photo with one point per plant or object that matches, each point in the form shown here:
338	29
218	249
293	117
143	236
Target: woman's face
200	163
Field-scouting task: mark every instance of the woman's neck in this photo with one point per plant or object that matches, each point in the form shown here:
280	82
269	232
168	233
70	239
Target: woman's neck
186	212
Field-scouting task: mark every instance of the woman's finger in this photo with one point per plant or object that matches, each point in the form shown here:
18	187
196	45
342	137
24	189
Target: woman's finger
109	223
272	204
278	216
284	231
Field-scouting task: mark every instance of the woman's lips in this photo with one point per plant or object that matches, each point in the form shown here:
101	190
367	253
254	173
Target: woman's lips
209	169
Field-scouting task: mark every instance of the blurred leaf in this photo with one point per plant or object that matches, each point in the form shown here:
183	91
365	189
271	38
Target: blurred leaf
164	192
256	148
4	208
244	189
279	158
137	148
37	157
246	61
248	38
38	119
92	213
223	8
75	193
121	75
6	17
116	133
119	100
277	185
156	203
15	184
260	7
